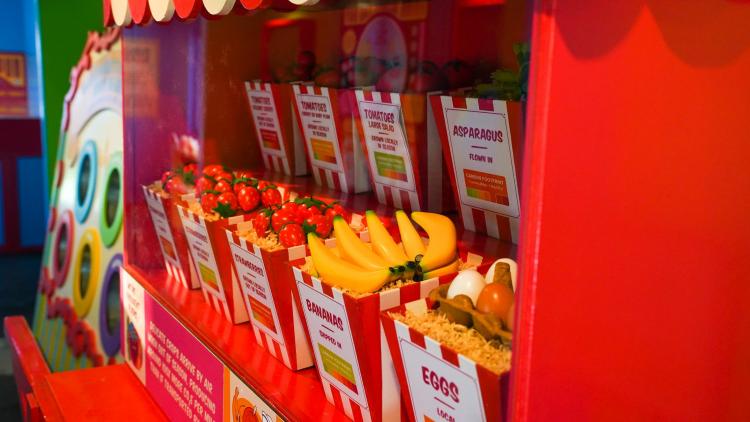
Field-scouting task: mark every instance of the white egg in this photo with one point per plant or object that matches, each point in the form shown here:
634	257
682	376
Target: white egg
513	270
467	282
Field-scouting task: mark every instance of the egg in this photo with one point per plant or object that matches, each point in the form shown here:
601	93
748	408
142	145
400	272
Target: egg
489	277
496	299
467	282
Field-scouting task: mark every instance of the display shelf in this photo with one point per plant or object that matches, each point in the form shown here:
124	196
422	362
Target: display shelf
294	395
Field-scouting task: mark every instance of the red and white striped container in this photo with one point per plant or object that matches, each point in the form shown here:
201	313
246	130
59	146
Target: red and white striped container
350	350
436	382
213	263
267	285
405	157
279	138
326	117
171	237
482	143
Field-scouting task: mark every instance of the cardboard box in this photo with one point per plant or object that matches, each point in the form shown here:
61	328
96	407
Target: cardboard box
326	117
212	257
171	237
350	351
267	285
482	143
280	140
405	157
436	382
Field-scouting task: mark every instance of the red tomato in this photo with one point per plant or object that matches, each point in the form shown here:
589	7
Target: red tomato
292	235
319	224
166	176
243	174
203	184
224	176
190	168
176	185
249	198
213	170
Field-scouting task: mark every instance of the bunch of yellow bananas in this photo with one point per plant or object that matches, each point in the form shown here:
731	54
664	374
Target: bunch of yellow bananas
364	268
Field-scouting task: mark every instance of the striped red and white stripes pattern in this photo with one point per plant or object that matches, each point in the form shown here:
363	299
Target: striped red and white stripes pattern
388	397
495	225
174	271
390	195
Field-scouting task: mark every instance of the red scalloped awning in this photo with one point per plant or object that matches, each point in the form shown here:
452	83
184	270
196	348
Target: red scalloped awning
140	12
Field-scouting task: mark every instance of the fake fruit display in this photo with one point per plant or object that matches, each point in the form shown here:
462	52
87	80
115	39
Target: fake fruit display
225	193
179	181
506	84
467	283
425	78
383	260
458	74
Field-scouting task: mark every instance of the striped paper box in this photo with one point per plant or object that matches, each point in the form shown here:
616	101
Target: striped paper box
326	117
400	139
436	382
350	351
279	138
171	238
213	263
267	283
482	142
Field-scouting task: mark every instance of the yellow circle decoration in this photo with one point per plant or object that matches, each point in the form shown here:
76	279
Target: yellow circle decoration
86	277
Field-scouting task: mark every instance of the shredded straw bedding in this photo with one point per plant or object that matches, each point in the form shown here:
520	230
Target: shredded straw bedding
466	341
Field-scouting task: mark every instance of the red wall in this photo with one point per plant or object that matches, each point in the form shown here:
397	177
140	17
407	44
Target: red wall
636	239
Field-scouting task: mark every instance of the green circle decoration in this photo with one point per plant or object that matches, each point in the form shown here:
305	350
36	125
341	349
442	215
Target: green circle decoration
110	221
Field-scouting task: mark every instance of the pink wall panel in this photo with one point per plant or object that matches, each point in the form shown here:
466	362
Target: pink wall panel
636	241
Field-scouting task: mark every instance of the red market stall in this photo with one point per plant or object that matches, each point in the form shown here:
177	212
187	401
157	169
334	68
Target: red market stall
619	192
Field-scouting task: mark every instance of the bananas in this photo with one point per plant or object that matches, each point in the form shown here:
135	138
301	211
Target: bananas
353	248
344	274
382	242
367	267
410	238
441	250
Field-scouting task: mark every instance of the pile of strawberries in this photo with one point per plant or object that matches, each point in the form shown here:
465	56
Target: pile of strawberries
292	220
231	193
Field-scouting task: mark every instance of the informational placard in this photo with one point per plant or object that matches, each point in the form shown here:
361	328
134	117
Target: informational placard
199	242
161	225
14	97
319	128
387	146
482	153
440	391
257	291
266	118
186	380
332	343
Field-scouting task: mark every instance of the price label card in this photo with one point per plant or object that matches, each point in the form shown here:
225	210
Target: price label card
332	342
254	281
482	153
319	128
161	225
199	242
266	118
387	147
439	390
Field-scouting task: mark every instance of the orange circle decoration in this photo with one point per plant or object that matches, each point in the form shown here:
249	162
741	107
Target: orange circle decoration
139	10
62	252
187	9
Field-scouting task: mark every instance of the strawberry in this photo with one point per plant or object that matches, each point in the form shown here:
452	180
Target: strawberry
261	221
204	183
269	195
248	197
176	185
320	224
166	176
292	235
262	184
208	201
280	218
213	170
222	186
226	204
224	175
243	174
191	168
